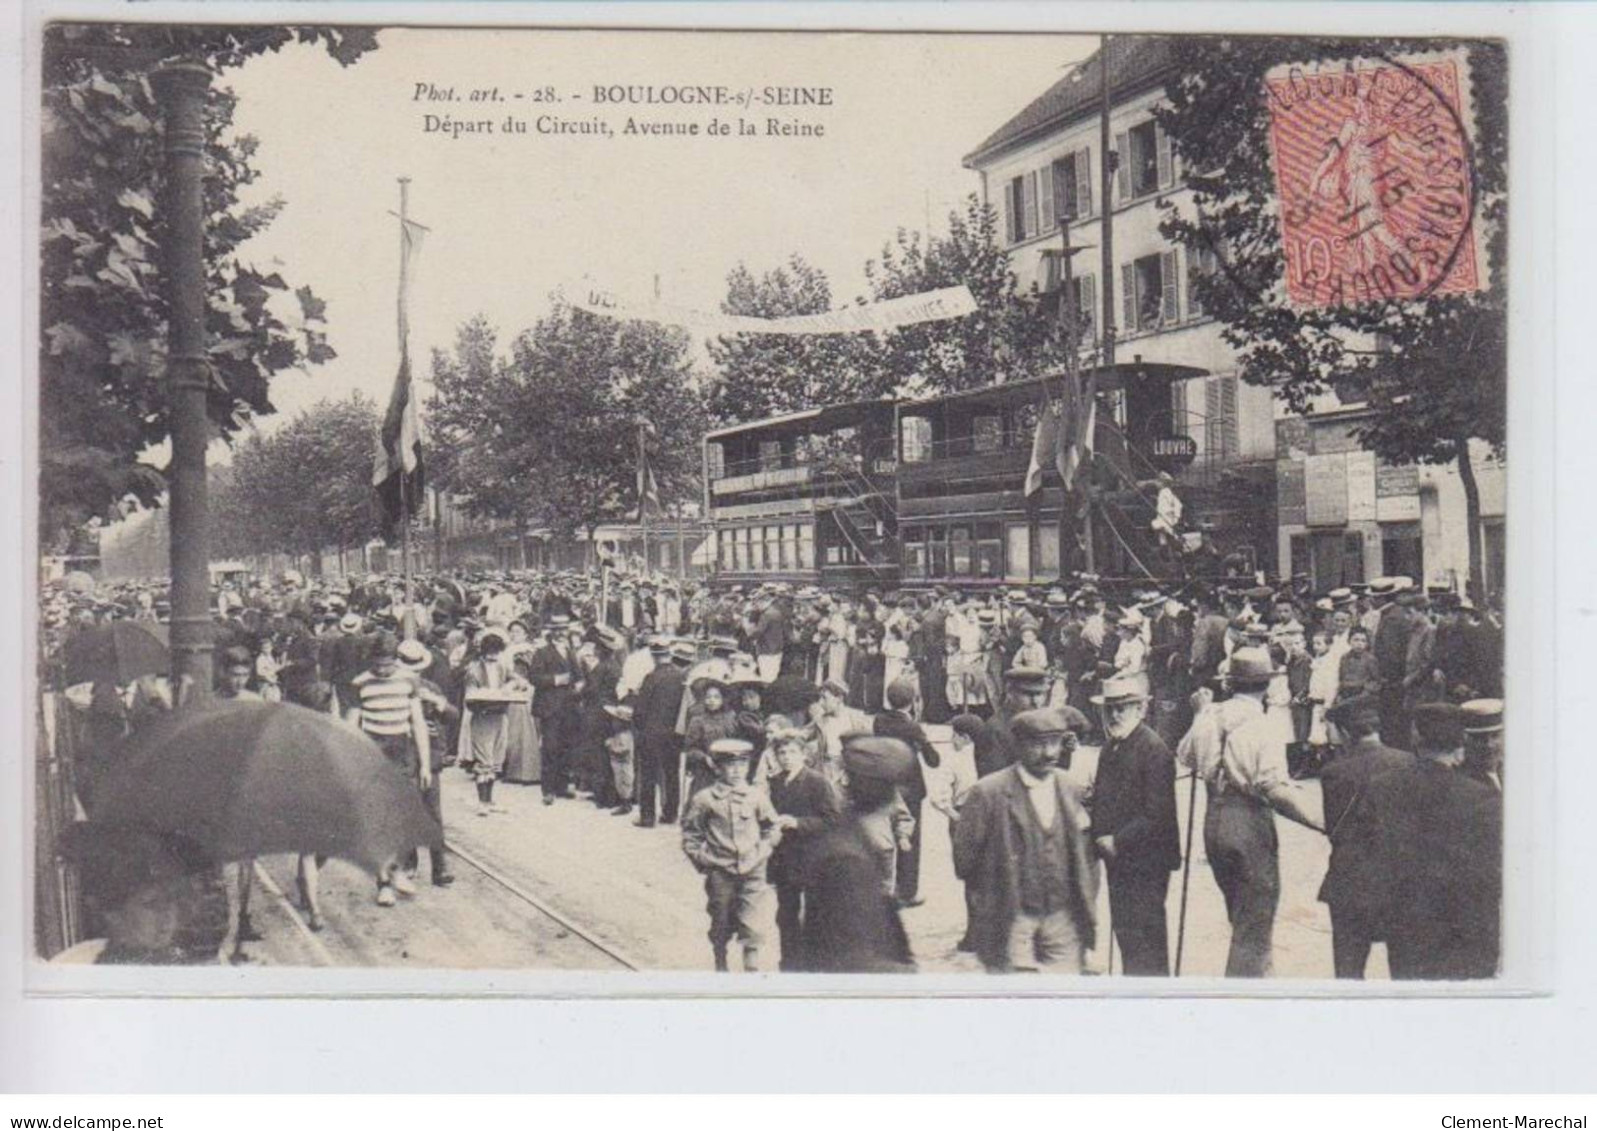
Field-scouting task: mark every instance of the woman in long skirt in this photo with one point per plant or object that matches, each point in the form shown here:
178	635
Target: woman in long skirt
484	727
523	747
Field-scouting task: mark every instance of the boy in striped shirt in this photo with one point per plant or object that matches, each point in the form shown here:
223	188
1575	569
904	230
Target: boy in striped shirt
388	709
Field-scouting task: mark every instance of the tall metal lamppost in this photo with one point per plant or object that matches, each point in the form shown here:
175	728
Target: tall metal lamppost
182	88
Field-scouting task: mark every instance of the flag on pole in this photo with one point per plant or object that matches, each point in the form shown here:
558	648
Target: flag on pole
398	471
1063	437
1075	440
648	489
1044	444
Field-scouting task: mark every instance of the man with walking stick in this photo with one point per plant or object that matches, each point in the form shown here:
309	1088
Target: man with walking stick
1133	810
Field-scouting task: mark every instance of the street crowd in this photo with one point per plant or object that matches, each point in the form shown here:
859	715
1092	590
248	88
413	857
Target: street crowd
794	737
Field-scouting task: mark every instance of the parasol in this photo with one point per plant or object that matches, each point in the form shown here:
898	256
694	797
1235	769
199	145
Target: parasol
244	779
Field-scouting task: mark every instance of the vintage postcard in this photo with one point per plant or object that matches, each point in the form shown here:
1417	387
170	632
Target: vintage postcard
785	511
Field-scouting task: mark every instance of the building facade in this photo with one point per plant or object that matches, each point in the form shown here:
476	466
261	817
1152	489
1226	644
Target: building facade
1337	514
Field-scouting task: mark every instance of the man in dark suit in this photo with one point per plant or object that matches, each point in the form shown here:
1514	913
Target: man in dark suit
557	679
808	807
1356	886
1021	847
1438	833
851	923
1133	812
1389	645
659	746
898	721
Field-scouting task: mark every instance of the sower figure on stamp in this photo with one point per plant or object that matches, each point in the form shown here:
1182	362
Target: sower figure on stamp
1243	765
1134	826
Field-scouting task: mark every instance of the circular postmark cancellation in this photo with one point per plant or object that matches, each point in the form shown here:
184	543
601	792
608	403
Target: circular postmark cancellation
1376	179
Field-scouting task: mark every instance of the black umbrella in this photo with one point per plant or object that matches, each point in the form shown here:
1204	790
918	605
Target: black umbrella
119	653
246	778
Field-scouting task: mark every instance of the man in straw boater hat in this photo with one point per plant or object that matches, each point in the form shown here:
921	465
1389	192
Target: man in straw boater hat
557	679
1242	761
1483	741
1134	825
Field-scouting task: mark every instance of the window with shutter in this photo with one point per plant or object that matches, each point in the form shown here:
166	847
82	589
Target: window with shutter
1228	411
1213	432
1166	165
1045	197
1083	182
1089	308
1028	188
1123	166
1064	182
1128	297
1178	409
1169	310
1017	211
1194	269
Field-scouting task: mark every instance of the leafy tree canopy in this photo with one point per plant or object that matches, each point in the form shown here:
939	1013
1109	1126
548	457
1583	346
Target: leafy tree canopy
303	487
549	433
103	311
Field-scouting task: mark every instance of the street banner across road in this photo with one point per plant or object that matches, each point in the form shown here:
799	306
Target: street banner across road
930	306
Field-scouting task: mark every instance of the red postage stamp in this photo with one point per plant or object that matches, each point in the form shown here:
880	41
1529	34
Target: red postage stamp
1375	176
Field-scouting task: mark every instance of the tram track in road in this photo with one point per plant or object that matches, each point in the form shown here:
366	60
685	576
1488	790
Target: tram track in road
348	937
515	889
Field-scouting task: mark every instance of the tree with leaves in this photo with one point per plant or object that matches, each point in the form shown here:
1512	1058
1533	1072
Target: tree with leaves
1008	338
760	375
1432	369
548	435
103	311
304	487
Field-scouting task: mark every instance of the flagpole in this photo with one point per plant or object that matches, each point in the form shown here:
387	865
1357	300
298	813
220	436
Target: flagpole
1072	366
409	623
1107	253
643	500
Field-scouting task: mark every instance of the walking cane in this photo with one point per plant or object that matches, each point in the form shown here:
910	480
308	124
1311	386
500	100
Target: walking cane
1186	868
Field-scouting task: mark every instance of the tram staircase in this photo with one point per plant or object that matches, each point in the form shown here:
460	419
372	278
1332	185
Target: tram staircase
866	516
1126	509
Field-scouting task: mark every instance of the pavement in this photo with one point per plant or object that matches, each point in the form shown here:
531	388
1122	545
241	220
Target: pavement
626	896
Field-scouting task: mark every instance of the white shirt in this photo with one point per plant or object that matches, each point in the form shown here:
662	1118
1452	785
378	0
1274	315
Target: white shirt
638	664
1043	795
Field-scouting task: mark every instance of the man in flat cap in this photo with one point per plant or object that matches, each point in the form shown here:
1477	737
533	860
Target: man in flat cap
851	923
1439	836
1021	847
1134	826
1356	886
